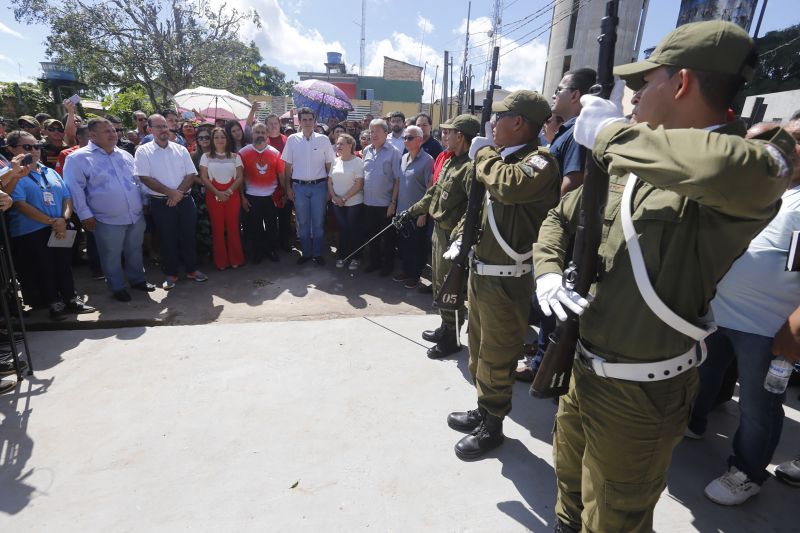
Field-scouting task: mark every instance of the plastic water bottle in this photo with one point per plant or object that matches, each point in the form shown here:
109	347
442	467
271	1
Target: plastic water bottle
780	370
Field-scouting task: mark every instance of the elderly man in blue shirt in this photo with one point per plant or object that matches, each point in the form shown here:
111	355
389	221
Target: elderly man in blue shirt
107	197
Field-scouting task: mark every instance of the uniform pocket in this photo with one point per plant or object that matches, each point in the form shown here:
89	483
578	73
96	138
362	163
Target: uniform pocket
632	497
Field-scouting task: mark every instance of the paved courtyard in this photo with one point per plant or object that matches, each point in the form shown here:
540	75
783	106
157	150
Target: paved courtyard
300	425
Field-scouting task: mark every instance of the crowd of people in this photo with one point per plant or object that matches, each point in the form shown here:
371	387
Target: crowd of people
712	207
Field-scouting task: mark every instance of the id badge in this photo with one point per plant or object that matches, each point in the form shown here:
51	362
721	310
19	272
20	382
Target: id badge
49	199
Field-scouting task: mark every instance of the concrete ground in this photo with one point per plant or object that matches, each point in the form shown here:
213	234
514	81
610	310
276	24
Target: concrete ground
310	426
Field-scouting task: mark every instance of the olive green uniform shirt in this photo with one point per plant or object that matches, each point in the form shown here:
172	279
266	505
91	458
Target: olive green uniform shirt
522	188
700	199
446	200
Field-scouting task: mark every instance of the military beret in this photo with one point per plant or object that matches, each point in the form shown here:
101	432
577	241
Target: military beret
712	46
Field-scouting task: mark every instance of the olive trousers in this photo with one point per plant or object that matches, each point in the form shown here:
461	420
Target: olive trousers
498	325
612	447
440	267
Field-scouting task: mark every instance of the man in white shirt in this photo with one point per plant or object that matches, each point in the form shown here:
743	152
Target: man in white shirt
308	157
167	172
397	121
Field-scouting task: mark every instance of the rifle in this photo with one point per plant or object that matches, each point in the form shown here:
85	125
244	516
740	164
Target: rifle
451	294
552	378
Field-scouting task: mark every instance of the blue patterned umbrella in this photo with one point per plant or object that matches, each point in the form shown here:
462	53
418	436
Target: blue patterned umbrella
325	99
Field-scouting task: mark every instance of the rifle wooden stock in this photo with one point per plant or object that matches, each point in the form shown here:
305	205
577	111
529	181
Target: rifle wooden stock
451	294
552	377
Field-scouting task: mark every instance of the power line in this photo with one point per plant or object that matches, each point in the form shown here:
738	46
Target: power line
520	23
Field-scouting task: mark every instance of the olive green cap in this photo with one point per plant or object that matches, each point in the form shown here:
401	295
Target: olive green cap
29	120
712	46
50	121
529	104
466	124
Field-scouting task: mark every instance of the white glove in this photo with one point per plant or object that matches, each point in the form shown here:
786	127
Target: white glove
597	113
453	251
480	142
551	294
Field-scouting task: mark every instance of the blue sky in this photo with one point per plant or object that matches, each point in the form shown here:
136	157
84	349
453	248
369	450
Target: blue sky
296	34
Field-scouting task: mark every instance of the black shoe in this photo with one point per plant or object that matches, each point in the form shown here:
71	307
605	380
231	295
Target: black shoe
561	527
273	256
372	268
286	247
144	287
122	296
7	385
77	306
465	421
7	367
425	289
446	346
486	437
319	260
433	335
58	311
303	259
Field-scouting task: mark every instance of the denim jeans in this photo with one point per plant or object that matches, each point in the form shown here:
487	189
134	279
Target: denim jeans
761	412
176	228
115	241
351	229
310	202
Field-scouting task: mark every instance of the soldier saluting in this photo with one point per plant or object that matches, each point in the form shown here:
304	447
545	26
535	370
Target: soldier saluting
522	183
446	202
686	194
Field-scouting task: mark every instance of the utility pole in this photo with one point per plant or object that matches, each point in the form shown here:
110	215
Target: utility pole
760	18
443	113
433	89
497	19
462	86
450	92
363	36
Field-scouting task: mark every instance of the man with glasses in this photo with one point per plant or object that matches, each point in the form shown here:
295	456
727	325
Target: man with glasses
53	136
140	120
167	172
107	198
522	184
171	116
416	169
119	129
30	125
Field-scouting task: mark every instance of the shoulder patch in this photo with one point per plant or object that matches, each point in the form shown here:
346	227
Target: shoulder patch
537	161
777	156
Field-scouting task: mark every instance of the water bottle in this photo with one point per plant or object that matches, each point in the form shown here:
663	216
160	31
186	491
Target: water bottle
780	370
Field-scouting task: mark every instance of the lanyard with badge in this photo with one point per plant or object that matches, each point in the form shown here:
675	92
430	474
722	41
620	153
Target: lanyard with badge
48	197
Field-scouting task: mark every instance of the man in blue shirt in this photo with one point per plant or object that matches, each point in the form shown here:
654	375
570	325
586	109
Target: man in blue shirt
107	197
571	157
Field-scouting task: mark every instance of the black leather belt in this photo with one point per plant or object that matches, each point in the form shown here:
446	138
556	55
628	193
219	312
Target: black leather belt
309	182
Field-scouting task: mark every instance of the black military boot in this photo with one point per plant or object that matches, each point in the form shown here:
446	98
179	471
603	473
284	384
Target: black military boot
486	437
446	346
434	335
465	421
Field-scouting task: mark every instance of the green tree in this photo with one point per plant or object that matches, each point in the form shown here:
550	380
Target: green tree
778	66
260	78
126	101
162	45
25	99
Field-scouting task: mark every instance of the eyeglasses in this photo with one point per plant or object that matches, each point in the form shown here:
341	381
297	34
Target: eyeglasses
28	147
119	131
559	89
410	137
203	137
500	114
141	119
59	130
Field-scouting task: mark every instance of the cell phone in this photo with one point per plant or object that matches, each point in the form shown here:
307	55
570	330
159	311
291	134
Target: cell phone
74	99
187	115
27	160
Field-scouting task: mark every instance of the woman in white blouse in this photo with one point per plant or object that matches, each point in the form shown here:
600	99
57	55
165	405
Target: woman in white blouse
221	174
346	189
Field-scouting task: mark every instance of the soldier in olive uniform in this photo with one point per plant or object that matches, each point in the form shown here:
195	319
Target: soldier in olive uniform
687	193
446	202
522	184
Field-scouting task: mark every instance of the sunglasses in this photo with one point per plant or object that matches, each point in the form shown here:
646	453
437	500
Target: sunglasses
410	137
203	137
29	147
119	130
60	130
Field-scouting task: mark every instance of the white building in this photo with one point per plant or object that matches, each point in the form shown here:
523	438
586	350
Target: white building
773	107
573	37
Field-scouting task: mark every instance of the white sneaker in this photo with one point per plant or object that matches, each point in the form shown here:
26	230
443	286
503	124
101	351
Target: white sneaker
340	263
732	488
789	472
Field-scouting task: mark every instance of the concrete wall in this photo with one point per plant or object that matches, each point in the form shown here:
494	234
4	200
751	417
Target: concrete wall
774	107
400	70
585	50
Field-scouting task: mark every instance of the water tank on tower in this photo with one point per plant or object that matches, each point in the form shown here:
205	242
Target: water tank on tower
334	64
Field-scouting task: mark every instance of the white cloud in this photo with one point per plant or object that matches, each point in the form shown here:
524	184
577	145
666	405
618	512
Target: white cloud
284	39
6	59
425	25
8	31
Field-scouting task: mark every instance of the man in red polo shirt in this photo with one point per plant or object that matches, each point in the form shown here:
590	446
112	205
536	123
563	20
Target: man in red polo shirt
262	170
